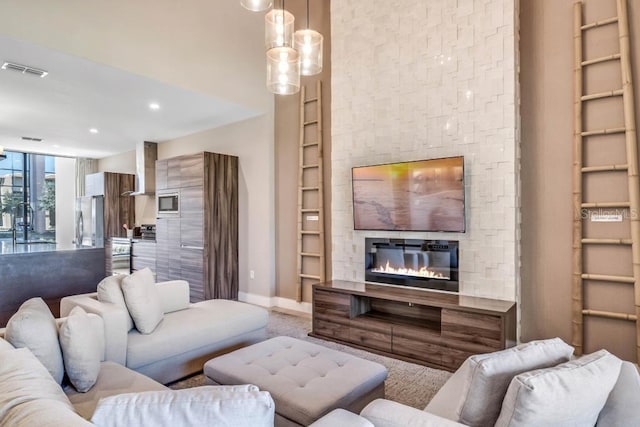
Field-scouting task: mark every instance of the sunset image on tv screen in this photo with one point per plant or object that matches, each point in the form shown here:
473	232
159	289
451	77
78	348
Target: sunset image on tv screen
425	195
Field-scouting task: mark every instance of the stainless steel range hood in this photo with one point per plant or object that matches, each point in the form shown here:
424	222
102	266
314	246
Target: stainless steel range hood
146	156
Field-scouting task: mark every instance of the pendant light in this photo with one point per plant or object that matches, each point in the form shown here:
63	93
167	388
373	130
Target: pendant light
256	5
283	62
278	28
308	43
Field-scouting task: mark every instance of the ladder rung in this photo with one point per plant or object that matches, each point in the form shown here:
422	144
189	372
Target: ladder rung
603	131
310	100
609	168
600	23
309	276
310	254
608	241
309	188
608	278
310	166
610	315
606	205
309	144
601	95
310	122
313	233
309	210
601	59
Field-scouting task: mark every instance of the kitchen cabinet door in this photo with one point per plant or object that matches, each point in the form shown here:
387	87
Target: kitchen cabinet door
192	270
192	216
192	170
168	249
173	173
162	167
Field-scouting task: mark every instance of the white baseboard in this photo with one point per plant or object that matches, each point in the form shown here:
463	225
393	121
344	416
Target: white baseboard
290	304
271	302
255	299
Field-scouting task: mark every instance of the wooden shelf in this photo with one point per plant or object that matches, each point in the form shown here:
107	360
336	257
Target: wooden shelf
421	326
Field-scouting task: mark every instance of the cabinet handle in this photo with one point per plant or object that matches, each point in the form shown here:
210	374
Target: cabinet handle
200	248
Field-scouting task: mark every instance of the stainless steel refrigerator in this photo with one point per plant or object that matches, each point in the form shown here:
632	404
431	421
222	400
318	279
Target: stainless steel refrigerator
90	222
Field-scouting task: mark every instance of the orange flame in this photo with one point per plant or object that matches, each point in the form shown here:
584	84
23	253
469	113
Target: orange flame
423	272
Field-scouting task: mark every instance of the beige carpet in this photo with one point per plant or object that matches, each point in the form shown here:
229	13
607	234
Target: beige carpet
407	383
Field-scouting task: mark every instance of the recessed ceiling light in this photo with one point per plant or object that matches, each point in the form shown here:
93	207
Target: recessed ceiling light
93	130
56	146
154	106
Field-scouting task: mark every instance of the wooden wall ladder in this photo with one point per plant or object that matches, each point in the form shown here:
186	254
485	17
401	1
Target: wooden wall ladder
632	206
311	253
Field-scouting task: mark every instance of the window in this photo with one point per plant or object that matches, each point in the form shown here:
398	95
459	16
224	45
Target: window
27	198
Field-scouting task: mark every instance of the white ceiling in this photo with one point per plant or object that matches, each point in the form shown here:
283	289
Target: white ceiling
79	94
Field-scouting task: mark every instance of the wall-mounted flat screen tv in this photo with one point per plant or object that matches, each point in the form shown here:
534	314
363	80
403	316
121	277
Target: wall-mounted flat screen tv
424	195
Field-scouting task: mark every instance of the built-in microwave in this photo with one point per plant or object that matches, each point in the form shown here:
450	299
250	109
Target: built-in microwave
168	203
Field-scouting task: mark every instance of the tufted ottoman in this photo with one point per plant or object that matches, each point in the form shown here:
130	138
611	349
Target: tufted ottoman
305	380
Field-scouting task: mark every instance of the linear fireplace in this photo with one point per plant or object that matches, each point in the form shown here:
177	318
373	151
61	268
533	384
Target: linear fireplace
431	264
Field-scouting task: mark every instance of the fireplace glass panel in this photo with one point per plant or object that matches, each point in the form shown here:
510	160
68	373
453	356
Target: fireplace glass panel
429	264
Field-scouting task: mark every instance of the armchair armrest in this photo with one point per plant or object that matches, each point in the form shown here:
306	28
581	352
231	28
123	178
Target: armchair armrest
386	413
115	323
341	417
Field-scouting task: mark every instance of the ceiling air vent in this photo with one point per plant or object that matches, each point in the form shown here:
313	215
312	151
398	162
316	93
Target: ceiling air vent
24	69
28	138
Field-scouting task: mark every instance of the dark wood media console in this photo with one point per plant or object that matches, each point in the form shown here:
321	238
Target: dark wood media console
431	328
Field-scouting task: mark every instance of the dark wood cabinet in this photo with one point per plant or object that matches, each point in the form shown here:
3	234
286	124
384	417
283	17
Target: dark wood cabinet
119	206
199	243
431	328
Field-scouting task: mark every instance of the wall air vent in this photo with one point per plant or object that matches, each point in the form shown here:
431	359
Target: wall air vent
28	138
24	69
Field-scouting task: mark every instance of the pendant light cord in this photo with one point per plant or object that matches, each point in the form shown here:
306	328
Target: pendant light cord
283	26
307	14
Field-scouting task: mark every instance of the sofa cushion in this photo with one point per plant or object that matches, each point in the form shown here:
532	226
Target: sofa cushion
82	342
34	327
207	405
4	345
216	320
621	409
474	393
113	379
110	290
572	393
143	300
28	394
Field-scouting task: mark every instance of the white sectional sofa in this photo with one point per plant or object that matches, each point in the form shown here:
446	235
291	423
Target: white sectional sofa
33	392
533	384
187	336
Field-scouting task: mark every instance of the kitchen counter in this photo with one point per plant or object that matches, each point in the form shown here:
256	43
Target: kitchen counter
46	273
8	248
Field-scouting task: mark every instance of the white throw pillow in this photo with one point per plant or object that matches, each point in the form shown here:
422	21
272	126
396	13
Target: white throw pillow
199	406
82	342
143	300
34	327
110	290
474	394
29	396
570	394
4	345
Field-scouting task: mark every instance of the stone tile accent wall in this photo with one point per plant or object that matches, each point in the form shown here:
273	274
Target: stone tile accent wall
416	79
